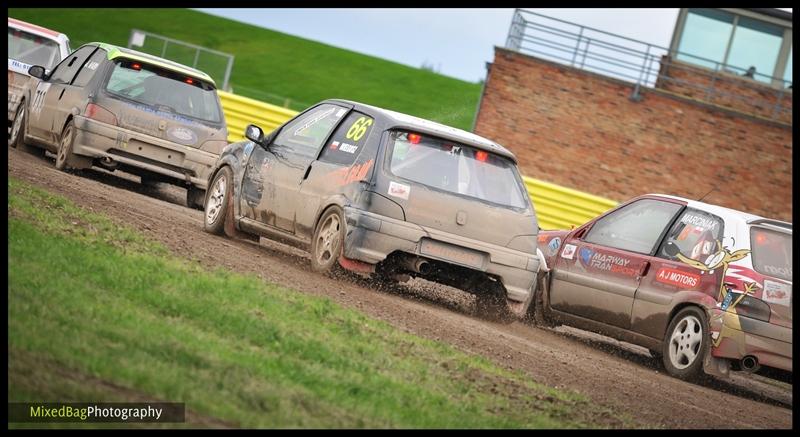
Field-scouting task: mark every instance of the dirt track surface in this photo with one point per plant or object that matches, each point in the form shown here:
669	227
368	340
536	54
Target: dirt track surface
618	375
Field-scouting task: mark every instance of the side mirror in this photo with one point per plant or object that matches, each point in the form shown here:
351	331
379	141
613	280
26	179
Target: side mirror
36	71
672	249
254	134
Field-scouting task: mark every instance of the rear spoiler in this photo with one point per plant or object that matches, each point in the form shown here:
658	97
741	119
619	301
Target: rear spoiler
782	226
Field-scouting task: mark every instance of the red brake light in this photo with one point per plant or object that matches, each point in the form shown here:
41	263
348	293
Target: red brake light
99	113
414	138
189	80
481	155
136	66
761	238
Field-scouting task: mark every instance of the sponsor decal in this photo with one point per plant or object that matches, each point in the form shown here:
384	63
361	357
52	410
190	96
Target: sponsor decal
700	222
335	145
19	67
313	121
721	259
569	251
38	99
606	262
92	65
586	255
554	245
777	293
399	190
349	148
677	277
182	135
357	172
777	271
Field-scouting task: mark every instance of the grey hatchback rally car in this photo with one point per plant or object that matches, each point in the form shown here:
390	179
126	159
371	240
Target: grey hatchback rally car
121	109
372	190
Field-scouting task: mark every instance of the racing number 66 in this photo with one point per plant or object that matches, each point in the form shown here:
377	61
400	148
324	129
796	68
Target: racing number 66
359	128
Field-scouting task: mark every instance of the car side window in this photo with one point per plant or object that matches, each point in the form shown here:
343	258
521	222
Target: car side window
65	71
636	227
305	134
348	140
695	234
90	68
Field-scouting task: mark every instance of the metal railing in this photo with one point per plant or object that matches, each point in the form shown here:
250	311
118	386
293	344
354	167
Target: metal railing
647	65
212	62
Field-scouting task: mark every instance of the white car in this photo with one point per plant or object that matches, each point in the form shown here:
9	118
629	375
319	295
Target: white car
28	45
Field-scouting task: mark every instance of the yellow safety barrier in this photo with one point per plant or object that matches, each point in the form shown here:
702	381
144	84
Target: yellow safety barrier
557	207
241	111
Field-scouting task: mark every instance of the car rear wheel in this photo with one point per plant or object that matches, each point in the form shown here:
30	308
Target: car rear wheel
65	147
328	242
686	343
218	205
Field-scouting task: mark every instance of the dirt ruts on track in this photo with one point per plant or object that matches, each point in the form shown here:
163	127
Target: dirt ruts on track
618	375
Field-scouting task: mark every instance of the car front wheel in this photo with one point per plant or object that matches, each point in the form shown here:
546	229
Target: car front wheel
686	343
218	199
326	247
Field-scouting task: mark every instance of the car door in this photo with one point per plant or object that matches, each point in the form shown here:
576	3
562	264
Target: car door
599	268
695	235
273	175
341	165
49	109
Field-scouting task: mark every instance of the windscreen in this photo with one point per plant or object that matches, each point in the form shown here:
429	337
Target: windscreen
772	252
164	90
32	49
456	168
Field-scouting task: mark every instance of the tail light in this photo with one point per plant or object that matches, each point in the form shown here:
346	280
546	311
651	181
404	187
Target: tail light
481	155
414	138
101	114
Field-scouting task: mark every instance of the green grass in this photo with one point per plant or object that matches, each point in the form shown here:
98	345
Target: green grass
273	63
97	312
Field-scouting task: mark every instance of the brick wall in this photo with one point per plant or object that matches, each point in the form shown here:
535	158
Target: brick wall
580	130
728	90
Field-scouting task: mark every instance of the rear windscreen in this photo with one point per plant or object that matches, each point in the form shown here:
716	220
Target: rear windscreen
456	168
772	252
32	49
165	90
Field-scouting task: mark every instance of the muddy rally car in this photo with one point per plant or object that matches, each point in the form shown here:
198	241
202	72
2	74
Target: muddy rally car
376	191
28	45
117	108
704	287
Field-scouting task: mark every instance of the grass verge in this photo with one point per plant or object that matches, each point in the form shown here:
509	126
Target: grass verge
270	65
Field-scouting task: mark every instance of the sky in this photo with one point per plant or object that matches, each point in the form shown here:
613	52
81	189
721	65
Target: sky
454	42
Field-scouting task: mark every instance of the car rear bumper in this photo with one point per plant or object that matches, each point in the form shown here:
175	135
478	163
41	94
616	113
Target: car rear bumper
371	238
101	140
743	336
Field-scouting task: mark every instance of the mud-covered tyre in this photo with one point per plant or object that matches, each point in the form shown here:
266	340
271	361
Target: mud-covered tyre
17	138
195	197
328	242
218	207
490	302
65	159
686	343
536	313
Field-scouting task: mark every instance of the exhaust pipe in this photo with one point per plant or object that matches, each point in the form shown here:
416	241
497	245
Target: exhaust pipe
417	264
750	364
108	163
